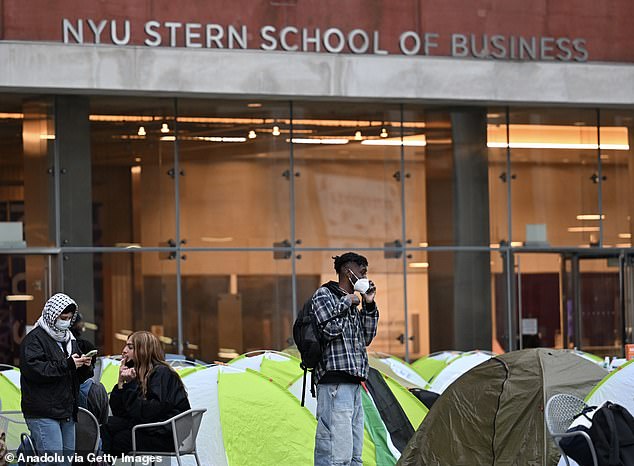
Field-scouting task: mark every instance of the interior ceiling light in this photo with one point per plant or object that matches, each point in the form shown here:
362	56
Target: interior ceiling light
168	138
165	128
582	229
415	140
19	297
246	121
590	217
318	141
213	138
383	132
625	235
276	130
557	137
252	134
357	136
141	131
254	105
11	116
418	265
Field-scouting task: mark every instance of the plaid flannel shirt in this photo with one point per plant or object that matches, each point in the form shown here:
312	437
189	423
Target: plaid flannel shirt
346	331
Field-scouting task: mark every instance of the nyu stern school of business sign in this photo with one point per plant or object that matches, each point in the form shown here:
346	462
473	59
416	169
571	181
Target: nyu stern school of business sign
331	40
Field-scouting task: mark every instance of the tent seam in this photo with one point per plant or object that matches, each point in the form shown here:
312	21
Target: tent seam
497	409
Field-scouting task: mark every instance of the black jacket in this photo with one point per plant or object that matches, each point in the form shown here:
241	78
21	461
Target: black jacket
166	397
48	379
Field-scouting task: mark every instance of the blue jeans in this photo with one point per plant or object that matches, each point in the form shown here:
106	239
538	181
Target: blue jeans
53	436
339	436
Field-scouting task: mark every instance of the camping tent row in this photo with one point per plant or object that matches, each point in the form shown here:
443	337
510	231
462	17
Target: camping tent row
441	369
392	413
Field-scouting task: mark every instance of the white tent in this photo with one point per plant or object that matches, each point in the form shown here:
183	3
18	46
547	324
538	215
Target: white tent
455	368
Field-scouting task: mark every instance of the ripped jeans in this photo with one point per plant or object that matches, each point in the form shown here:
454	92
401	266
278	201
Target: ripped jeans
339	436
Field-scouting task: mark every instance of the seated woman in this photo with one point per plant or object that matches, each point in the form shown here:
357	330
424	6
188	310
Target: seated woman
148	390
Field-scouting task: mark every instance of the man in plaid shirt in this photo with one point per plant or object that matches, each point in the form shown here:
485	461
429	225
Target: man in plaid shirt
347	324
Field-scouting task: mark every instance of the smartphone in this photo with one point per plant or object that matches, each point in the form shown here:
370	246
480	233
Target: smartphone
91	353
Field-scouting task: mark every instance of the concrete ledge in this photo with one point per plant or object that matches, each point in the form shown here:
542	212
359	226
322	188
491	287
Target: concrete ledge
134	70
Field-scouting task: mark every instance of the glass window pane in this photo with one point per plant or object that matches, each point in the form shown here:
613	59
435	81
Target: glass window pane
601	324
617	169
446	177
26	282
348	159
235	302
415	139
538	302
453	290
235	159
27	139
132	155
498	177
130	292
554	176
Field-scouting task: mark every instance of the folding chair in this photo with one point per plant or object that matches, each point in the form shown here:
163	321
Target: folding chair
561	410
184	427
87	434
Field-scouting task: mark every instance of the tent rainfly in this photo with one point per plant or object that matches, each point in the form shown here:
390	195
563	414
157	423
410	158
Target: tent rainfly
494	413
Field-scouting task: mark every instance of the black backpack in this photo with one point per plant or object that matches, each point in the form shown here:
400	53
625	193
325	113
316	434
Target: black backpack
308	338
612	433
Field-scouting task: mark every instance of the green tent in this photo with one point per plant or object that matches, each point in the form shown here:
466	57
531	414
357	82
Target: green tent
494	413
428	366
455	368
280	367
10	396
414	409
397	369
615	387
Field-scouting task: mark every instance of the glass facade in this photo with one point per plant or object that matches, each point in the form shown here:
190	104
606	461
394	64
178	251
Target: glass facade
210	222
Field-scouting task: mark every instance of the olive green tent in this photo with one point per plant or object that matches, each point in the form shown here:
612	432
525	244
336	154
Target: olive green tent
494	413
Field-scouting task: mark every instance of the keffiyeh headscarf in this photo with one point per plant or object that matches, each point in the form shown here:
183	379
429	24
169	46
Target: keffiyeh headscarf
53	308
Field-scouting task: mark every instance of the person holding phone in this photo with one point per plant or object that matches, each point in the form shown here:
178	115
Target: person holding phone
51	370
348	323
148	390
92	394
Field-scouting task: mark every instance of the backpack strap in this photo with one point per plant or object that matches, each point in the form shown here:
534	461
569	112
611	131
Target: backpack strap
303	384
614	435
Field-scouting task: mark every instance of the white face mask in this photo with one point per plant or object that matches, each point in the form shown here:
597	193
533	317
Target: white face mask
62	324
362	285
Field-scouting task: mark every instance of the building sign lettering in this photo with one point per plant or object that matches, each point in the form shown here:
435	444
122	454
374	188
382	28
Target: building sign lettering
330	40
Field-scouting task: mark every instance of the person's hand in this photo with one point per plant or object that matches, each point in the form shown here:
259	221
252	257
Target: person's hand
126	373
354	299
371	293
80	361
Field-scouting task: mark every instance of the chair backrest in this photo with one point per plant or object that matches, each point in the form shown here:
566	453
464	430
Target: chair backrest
561	410
13	425
86	433
186	427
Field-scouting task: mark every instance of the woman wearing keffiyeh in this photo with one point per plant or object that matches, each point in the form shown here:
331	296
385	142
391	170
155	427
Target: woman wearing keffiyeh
51	370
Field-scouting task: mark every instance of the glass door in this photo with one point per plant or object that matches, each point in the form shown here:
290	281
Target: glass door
597	302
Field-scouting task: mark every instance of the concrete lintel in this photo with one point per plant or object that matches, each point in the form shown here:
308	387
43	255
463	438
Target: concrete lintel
136	70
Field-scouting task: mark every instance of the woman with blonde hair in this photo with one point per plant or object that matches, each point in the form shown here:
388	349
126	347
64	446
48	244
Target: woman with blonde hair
148	390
